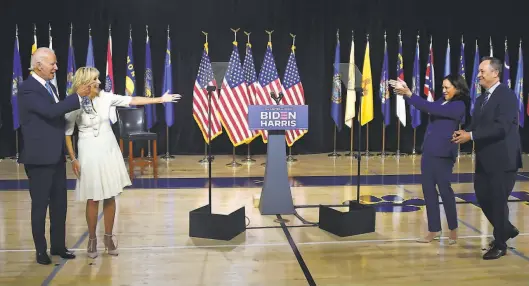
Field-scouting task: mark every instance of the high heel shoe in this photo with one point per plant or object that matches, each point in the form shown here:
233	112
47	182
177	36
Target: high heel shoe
426	239
452	238
91	249
110	246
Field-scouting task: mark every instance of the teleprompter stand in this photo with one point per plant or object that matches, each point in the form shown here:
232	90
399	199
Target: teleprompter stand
205	224
360	218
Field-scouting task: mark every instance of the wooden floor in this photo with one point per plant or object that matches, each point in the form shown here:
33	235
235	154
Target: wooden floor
152	226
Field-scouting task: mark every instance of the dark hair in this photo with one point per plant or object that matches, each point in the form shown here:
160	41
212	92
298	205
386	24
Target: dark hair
460	85
495	63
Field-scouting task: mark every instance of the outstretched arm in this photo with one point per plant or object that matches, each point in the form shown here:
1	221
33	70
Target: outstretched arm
120	100
453	111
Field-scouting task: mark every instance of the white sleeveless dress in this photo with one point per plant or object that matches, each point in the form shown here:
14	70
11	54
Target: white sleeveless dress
103	172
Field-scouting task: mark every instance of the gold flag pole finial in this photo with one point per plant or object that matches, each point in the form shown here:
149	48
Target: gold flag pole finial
293	42
206	43
269	36
235	33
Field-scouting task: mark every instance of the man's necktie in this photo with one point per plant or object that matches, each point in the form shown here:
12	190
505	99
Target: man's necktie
50	90
486	99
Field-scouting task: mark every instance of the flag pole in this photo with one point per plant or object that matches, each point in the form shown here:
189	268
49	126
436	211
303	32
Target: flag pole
414	137
367	124
350	154
334	153
398	140
383	153
249	158
233	162
290	158
167	155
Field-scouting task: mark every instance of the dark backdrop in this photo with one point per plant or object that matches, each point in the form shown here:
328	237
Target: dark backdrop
314	22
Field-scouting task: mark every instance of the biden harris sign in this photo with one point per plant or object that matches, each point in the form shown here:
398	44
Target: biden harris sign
278	117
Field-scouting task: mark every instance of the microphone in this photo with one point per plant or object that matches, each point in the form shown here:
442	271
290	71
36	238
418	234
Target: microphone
211	88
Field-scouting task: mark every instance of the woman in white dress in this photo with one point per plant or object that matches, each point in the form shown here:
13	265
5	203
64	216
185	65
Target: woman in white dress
99	166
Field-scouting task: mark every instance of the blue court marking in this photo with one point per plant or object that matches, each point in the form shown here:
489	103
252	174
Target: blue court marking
256	182
63	261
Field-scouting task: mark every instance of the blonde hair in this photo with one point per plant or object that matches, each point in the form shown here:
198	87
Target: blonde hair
83	75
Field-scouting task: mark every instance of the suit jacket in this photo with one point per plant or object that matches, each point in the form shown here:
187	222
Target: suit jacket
495	132
444	120
42	123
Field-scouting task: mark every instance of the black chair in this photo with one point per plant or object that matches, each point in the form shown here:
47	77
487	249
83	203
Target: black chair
132	128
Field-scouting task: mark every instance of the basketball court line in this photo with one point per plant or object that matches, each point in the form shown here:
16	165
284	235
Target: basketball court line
189	247
295	249
64	261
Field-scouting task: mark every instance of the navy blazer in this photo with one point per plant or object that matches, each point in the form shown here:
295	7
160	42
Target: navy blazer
495	132
42	123
444	120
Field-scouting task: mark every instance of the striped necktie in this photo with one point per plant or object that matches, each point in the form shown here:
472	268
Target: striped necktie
486	99
50	90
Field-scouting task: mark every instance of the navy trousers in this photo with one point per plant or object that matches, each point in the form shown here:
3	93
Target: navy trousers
47	187
436	172
493	191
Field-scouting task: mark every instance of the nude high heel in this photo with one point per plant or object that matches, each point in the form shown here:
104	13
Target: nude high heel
91	250
110	246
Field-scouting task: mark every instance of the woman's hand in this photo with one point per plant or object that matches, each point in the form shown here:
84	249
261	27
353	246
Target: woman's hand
167	97
76	168
400	87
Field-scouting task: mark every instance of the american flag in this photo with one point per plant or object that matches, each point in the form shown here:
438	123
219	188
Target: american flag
429	83
233	101
204	79
294	94
268	82
250	77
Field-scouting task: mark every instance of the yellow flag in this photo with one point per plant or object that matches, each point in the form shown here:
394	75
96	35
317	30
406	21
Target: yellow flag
367	86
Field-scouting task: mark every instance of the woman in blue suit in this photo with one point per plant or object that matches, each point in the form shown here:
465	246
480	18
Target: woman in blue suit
438	152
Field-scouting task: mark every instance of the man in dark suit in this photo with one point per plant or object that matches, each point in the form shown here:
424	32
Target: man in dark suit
494	130
43	125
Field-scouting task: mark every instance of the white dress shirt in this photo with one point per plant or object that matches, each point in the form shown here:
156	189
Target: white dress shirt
43	82
490	90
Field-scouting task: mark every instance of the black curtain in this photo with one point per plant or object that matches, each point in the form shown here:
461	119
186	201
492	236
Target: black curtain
313	22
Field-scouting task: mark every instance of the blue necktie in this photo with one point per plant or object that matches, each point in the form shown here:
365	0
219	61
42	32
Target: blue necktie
48	87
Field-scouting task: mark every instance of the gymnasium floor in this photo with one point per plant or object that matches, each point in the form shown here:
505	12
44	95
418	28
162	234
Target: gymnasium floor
155	248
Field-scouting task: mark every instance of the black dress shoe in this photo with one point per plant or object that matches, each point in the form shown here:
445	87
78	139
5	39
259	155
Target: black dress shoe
65	253
514	233
43	258
494	253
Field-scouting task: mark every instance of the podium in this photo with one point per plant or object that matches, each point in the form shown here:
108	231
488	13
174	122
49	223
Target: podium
276	196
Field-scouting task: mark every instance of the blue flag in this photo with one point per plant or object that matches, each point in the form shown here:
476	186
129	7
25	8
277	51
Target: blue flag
518	88
168	84
384	90
462	60
130	78
90	54
416	89
447	59
70	70
475	88
462	70
336	104
150	109
16	80
506	68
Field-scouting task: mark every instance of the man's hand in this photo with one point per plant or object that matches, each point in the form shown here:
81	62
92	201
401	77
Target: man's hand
460	137
84	90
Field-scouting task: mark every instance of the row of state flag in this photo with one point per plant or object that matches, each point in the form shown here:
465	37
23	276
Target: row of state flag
428	89
240	88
